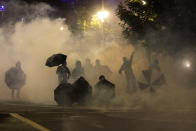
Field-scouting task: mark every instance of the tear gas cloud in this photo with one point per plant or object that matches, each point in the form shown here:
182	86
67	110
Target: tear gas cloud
34	41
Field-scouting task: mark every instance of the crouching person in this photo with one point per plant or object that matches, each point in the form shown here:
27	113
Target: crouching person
104	90
82	92
79	92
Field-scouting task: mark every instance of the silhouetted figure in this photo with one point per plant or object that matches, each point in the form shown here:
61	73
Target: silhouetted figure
82	92
63	73
63	94
79	92
104	89
88	64
15	79
78	71
102	69
88	69
127	68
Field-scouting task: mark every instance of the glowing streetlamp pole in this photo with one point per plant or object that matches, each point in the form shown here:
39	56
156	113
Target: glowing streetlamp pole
102	15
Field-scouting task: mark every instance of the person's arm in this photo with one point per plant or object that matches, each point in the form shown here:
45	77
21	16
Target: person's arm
68	71
131	58
57	70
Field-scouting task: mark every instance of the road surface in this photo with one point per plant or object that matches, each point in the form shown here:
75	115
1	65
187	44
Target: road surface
18	116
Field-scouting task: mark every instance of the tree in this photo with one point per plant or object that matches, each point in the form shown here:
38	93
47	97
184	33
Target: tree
167	26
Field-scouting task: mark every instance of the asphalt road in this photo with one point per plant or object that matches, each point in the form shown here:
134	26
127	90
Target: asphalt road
17	116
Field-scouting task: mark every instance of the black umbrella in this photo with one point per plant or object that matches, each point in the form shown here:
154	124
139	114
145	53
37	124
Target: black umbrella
151	79
56	60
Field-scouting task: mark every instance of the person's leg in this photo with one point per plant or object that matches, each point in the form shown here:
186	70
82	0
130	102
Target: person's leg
133	82
18	93
128	82
12	93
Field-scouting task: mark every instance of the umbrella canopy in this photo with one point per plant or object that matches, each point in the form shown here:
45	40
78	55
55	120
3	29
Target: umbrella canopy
151	78
56	60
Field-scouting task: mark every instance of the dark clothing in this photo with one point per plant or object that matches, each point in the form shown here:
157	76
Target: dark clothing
130	77
105	90
63	94
79	92
82	91
63	73
15	78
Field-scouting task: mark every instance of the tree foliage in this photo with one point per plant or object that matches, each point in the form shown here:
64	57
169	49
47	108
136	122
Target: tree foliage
165	25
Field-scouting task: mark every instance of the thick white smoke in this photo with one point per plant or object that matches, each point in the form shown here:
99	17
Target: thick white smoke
33	42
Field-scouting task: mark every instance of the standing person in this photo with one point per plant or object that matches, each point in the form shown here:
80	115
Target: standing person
88	65
15	79
78	71
63	73
89	70
102	69
127	68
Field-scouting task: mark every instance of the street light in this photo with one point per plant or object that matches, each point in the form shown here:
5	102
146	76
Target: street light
187	64
61	28
102	15
144	2
2	9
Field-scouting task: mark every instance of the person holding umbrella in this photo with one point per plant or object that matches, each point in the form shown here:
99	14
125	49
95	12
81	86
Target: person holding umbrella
63	73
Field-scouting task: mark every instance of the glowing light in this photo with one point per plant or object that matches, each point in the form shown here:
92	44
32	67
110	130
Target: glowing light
163	27
187	64
102	15
61	28
22	19
144	2
2	7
